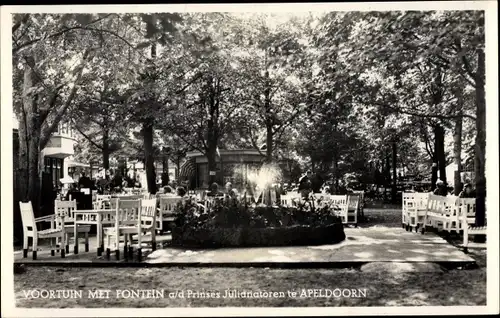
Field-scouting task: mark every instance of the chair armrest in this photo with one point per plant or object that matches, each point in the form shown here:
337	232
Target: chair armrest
47	218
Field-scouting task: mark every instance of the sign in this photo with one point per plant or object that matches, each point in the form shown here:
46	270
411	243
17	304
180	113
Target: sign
212	173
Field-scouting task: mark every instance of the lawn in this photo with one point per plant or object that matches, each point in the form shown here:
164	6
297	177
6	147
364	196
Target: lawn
442	288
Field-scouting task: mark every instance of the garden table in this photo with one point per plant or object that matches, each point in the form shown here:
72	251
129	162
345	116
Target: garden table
99	217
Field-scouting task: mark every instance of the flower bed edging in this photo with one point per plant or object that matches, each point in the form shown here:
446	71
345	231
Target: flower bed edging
254	237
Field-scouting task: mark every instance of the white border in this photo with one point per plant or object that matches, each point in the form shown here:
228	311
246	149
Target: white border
492	164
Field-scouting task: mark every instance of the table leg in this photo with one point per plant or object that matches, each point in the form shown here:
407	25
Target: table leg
75	235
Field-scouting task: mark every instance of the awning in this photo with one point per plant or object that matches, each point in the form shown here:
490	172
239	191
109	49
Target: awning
72	163
188	169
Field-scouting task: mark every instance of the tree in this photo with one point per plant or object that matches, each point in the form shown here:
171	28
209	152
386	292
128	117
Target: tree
50	53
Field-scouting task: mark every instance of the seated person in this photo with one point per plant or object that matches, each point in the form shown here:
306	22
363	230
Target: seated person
228	187
168	190
181	191
73	192
306	189
440	189
214	190
467	192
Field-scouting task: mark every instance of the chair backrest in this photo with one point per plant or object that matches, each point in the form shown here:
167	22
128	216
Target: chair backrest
168	203
416	200
353	201
101	199
466	207
67	207
338	199
27	217
148	212
441	205
128	212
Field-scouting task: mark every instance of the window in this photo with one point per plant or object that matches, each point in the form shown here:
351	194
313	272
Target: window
54	167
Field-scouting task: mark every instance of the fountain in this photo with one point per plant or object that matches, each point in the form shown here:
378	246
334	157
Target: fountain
262	183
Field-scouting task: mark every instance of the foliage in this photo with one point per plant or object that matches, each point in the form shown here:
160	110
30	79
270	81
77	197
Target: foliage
234	213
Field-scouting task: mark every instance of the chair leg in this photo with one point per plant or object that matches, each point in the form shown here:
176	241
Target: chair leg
125	248
67	244
52	252
76	242
139	254
130	252
35	246
117	244
63	243
108	250
86	242
153	240
25	245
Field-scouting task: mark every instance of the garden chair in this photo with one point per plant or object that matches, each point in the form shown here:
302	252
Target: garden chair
68	207
124	216
467	218
361	210
340	206
352	209
414	209
165	212
101	201
30	229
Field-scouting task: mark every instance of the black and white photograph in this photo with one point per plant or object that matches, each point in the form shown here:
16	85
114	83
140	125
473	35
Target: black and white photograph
284	158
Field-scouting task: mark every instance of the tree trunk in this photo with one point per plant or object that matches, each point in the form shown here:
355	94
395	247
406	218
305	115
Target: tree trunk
457	153
165	176
269	142
480	146
105	149
387	170
336	171
211	152
394	175
149	156
441	156
30	130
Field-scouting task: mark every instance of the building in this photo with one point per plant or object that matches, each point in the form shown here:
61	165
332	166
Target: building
56	156
232	166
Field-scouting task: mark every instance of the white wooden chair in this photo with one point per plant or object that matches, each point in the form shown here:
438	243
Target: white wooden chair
101	200
165	212
69	207
414	209
353	209
340	203
287	199
132	218
361	209
30	229
125	215
467	218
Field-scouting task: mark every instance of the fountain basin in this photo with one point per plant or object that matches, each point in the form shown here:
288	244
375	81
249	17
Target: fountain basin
258	237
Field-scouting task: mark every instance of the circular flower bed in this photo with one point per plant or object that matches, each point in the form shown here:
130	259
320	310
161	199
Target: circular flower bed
231	223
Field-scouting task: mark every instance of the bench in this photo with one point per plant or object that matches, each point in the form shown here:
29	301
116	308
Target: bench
467	219
441	214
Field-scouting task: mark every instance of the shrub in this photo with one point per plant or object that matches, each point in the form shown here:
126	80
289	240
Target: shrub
231	213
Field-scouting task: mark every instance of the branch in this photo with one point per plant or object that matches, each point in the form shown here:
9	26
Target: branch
254	143
86	136
81	27
196	77
48	129
288	121
20	22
